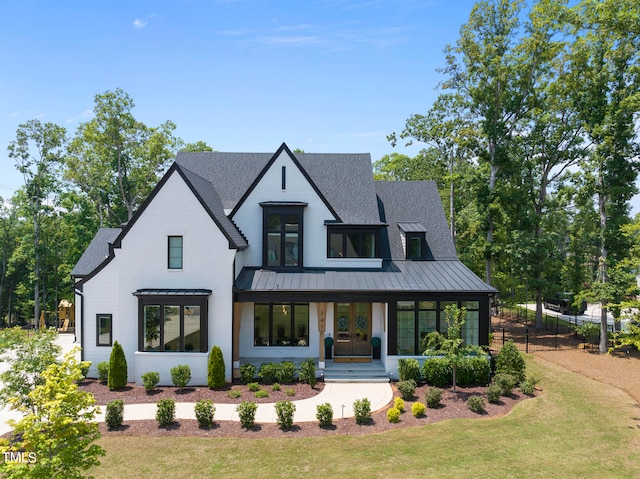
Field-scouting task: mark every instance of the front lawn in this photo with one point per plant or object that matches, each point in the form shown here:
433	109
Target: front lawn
576	428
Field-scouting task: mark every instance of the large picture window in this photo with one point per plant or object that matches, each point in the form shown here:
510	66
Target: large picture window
281	324
351	243
416	319
172	324
104	324
282	240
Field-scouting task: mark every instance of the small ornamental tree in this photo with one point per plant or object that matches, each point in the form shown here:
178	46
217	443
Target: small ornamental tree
58	427
117	368
27	358
215	369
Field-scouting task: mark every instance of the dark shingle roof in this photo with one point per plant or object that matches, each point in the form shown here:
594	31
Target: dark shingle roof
415	202
96	252
345	180
394	276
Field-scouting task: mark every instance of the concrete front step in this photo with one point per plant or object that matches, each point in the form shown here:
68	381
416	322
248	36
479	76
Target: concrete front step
370	372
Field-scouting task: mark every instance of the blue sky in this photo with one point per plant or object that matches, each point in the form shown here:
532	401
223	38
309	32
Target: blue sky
242	75
334	76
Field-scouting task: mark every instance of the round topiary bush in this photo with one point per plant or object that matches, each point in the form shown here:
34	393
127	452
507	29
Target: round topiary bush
393	415
476	404
510	361
418	409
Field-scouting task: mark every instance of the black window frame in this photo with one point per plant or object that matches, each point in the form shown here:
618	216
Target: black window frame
345	232
282	210
170	248
182	301
99	316
425	252
272	342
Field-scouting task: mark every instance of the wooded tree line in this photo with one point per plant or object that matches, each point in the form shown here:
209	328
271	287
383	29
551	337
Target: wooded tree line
74	185
533	142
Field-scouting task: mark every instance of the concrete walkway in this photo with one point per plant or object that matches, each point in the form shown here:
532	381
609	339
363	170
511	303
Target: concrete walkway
340	395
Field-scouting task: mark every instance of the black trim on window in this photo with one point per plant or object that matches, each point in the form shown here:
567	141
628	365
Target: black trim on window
175	249
353	242
108	321
286	324
182	302
417	247
282	235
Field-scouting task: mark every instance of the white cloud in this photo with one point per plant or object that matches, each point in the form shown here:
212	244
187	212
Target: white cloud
137	23
85	114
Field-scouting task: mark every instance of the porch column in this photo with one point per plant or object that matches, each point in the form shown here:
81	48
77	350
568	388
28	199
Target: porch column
235	347
322	324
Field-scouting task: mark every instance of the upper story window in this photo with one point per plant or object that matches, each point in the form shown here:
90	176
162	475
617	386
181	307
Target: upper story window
417	247
175	252
282	235
352	243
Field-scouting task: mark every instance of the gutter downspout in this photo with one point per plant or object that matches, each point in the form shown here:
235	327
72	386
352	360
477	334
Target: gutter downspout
79	293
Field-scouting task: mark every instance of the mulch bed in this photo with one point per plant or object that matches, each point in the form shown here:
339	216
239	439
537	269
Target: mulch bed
453	406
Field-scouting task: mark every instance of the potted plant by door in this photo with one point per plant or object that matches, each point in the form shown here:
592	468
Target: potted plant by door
328	347
376	343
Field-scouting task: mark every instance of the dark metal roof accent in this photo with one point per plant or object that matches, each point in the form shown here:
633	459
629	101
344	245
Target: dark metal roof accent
394	276
411	227
281	204
172	292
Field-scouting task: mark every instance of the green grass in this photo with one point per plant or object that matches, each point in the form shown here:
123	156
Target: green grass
576	428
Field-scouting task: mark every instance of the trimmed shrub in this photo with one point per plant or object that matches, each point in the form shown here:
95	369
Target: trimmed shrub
393	414
493	393
437	371
215	369
407	389
290	392
308	372
398	403
103	371
205	410
247	373
247	413
117	368
234	393
166	413
510	361
180	375
150	380
253	387
476	404
418	409
275	387
84	368
114	414
433	397
527	387
267	373
506	382
284	412
362	411
262	393
285	372
408	368
324	415
473	370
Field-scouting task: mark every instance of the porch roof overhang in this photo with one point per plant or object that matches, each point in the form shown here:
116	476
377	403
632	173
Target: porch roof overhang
172	292
395	279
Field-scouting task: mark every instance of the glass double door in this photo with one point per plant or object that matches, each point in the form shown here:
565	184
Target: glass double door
352	329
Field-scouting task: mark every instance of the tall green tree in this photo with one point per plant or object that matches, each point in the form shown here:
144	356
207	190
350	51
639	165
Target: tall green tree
116	160
38	151
493	72
606	63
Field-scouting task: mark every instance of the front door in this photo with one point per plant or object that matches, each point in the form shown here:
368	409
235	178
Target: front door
352	329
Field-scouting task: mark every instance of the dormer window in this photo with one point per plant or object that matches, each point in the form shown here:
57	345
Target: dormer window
352	242
282	235
414	241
